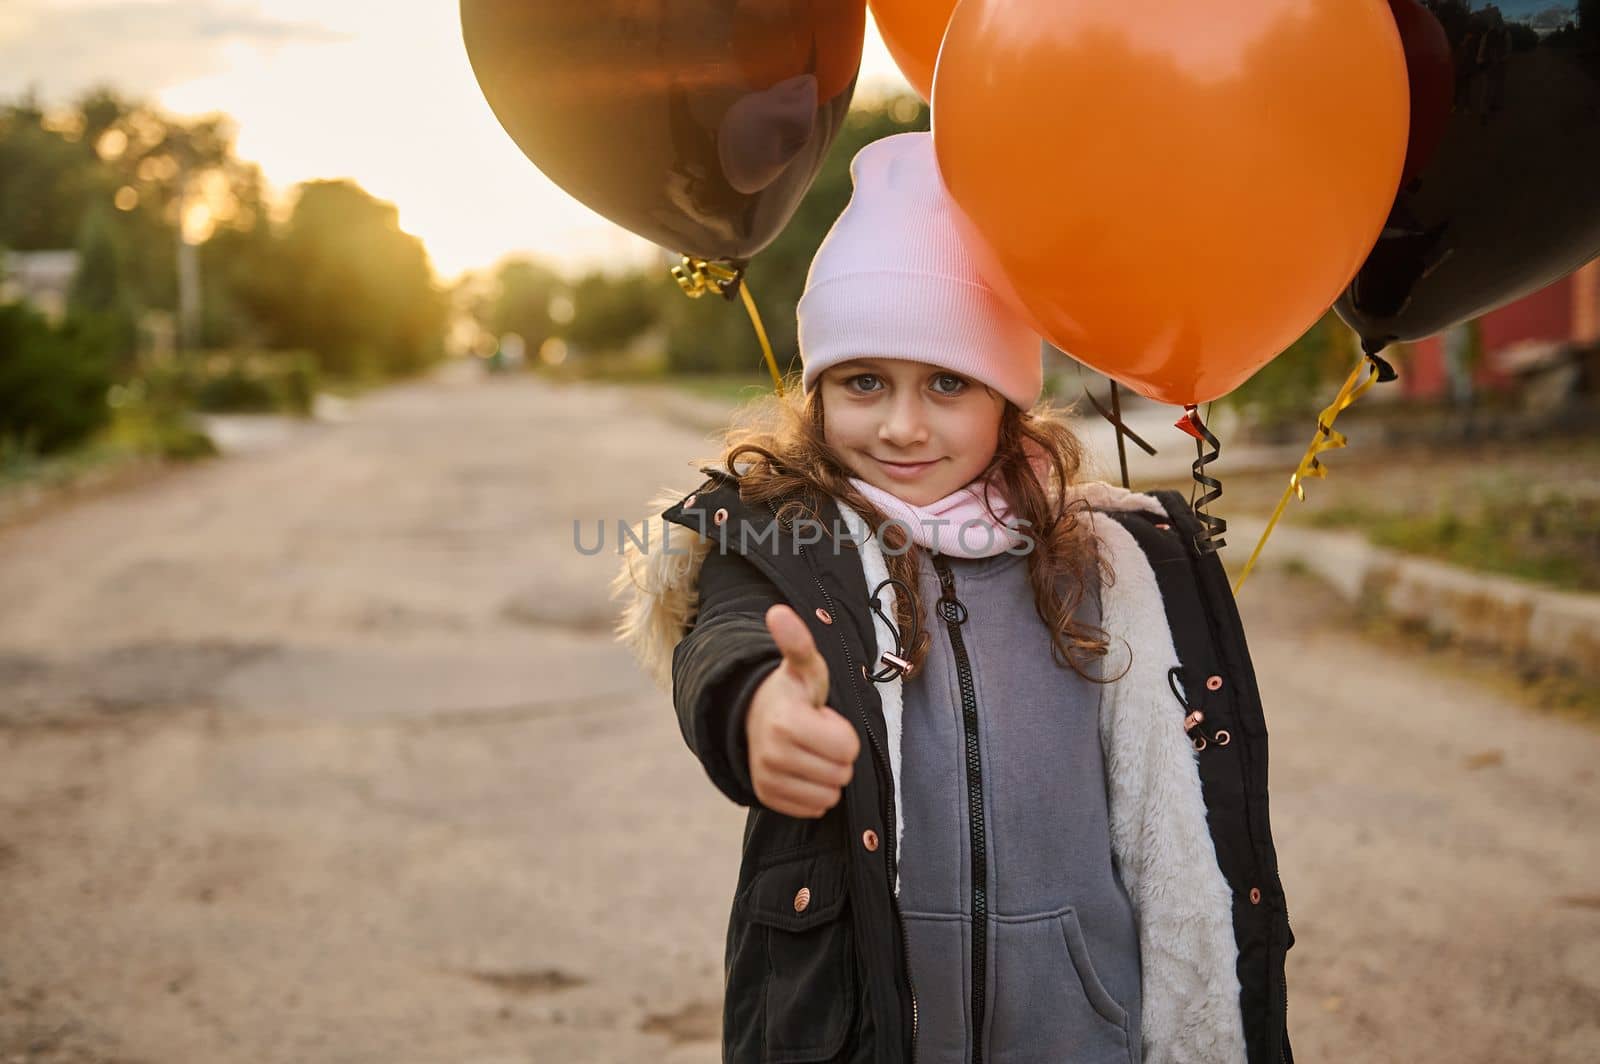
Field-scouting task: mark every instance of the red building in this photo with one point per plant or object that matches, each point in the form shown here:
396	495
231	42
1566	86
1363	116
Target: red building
1565	312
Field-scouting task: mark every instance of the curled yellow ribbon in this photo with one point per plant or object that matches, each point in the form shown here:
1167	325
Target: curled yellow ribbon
697	278
1311	466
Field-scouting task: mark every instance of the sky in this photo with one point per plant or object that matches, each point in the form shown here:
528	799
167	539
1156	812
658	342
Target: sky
380	91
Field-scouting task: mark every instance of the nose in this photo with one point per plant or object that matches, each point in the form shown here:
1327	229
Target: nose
903	424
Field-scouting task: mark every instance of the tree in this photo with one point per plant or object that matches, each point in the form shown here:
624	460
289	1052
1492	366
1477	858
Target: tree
100	287
346	284
609	312
523	291
47	178
108	151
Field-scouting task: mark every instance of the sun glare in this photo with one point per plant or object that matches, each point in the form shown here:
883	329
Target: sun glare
383	94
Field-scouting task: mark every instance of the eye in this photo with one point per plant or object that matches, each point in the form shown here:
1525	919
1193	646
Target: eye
854	383
949	384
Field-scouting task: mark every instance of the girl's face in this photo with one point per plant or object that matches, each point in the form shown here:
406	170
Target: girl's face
914	429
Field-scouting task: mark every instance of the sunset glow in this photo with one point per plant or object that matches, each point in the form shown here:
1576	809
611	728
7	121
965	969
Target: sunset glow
367	89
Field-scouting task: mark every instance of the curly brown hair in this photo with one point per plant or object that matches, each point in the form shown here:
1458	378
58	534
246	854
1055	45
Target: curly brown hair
789	463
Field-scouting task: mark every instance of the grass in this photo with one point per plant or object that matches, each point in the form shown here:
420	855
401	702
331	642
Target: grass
141	439
1528	509
1545	538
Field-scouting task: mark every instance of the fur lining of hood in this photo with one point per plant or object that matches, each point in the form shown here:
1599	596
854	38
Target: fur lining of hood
658	588
657	581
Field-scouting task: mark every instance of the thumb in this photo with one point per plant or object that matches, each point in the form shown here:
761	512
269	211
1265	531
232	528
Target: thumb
799	651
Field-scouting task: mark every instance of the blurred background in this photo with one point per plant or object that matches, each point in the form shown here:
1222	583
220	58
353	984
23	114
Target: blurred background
320	408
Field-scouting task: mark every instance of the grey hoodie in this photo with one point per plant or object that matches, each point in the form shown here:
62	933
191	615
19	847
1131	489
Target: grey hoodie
1061	951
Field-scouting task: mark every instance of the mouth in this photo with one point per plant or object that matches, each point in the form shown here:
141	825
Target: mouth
906	470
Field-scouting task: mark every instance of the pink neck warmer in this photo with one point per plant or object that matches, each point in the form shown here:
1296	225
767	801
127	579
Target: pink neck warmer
958	525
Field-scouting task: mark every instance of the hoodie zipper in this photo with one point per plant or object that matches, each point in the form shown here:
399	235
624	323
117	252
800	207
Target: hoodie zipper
955	615
888	812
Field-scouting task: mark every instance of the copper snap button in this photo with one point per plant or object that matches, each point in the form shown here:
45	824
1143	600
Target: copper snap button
869	839
1214	683
802	899
824	616
1255	895
720	516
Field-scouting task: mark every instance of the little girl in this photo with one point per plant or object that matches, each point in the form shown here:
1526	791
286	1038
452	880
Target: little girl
939	672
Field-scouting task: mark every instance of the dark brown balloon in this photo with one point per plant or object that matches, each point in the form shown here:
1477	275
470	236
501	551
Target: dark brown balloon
699	126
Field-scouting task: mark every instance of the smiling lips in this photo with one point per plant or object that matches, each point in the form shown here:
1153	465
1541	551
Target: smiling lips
906	470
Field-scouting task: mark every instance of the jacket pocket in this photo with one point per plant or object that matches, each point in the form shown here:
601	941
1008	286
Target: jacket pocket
1049	1003
1104	1004
801	902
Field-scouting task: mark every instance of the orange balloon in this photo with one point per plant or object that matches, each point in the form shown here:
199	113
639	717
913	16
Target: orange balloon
913	29
1174	190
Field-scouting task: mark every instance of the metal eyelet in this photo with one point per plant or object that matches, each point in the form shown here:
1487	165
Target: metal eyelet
720	516
1214	683
689	499
1255	895
869	839
824	616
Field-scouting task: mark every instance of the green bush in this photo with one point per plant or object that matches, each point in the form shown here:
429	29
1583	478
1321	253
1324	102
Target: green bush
239	382
235	391
234	382
53	379
153	415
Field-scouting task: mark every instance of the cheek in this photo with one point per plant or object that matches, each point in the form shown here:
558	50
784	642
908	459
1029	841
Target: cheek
843	427
979	429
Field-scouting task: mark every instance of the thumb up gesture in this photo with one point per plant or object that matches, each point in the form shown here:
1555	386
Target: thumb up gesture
802	753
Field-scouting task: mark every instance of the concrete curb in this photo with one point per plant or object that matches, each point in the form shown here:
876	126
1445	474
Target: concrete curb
1521	623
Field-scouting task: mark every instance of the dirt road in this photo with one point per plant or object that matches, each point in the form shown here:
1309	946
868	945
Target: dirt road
324	754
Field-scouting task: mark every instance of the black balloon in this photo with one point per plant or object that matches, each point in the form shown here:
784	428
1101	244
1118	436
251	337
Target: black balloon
698	126
1502	188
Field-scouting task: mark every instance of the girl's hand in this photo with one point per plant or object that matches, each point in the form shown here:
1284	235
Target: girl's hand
802	753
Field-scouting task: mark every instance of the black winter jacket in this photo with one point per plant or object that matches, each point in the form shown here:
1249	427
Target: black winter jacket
824	977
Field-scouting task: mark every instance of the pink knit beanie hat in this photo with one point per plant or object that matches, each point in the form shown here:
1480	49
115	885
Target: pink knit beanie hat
893	279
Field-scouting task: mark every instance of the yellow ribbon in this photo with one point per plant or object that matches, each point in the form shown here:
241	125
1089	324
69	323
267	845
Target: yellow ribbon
1311	466
761	334
697	277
